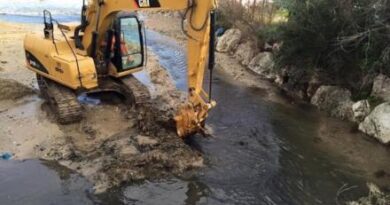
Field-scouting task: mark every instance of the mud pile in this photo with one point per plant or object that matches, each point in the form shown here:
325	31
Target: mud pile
115	144
12	89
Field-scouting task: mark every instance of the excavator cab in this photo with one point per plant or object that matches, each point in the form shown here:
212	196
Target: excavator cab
123	46
131	43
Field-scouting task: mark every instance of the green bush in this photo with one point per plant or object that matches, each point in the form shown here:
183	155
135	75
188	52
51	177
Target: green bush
269	33
342	37
223	19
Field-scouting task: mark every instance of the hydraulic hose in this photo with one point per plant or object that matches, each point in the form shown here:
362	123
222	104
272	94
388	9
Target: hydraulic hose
211	51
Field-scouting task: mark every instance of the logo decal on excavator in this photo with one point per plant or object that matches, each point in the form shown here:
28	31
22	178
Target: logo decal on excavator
34	62
148	3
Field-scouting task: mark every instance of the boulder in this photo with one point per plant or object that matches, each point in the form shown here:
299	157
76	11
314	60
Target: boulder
360	110
294	81
263	64
313	84
377	124
245	52
375	196
279	80
334	100
381	87
229	41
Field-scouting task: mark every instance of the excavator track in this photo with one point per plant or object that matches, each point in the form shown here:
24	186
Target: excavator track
63	101
139	92
141	100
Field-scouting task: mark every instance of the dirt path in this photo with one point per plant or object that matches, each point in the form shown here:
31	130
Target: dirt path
108	146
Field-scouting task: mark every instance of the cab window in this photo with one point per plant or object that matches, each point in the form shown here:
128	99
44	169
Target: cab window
130	43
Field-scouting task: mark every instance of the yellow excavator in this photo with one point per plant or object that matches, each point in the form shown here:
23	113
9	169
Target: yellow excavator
108	47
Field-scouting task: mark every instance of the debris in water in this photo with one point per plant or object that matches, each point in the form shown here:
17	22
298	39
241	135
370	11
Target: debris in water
375	197
88	100
6	156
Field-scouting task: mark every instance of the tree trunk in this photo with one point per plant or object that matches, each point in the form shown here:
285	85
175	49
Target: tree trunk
254	9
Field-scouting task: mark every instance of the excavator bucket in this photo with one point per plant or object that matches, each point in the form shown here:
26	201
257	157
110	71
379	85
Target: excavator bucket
191	119
187	121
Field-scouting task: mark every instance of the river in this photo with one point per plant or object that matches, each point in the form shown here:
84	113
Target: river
261	152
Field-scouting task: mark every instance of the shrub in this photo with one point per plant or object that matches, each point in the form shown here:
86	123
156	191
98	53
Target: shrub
343	37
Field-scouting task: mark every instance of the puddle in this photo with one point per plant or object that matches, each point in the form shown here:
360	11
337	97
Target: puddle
39	182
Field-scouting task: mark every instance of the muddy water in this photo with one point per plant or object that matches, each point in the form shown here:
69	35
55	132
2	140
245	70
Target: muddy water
36	182
171	56
261	152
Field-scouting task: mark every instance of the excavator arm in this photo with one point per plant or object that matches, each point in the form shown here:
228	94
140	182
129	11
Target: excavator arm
191	116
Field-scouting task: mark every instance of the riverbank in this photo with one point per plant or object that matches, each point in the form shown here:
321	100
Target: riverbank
241	58
336	137
108	146
371	115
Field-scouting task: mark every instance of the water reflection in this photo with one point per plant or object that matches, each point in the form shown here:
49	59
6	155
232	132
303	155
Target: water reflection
39	182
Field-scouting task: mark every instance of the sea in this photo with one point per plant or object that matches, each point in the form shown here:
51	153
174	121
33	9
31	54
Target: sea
31	11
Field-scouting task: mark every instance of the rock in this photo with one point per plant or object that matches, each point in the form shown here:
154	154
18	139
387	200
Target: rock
263	65
313	84
381	87
279	80
375	197
276	47
144	141
334	100
300	83
377	124
65	152
360	110
268	47
127	151
245	52
229	41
